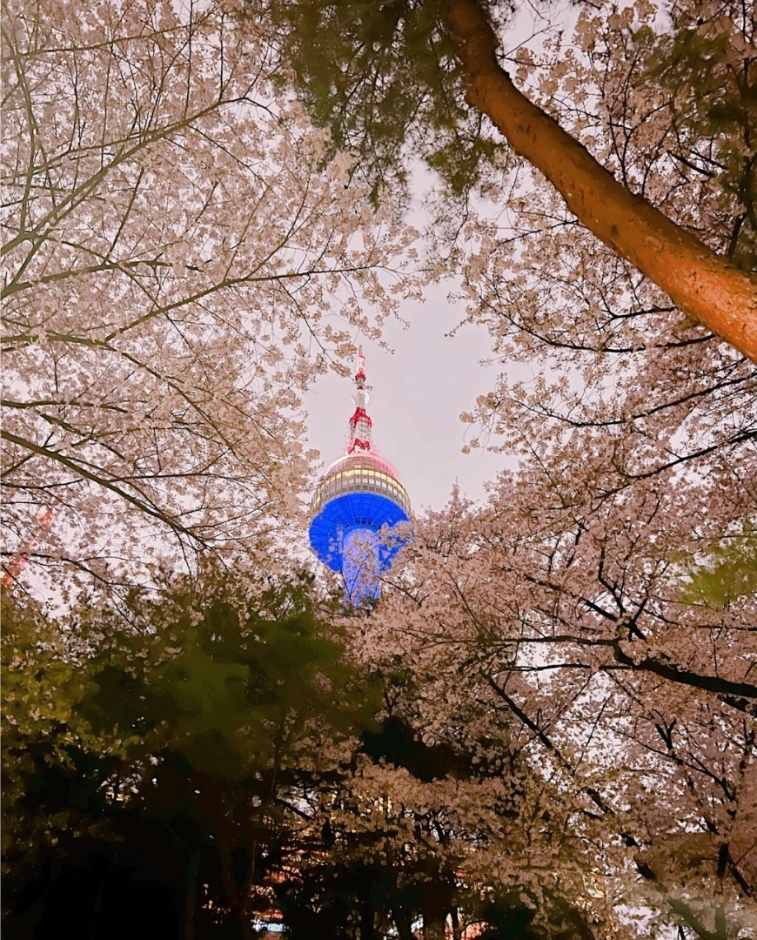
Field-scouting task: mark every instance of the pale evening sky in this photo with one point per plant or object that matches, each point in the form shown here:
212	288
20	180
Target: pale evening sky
419	392
417	395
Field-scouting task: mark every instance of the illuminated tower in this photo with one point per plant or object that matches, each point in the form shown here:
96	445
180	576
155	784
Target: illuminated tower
358	496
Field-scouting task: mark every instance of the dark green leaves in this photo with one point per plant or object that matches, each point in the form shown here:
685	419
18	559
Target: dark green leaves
385	81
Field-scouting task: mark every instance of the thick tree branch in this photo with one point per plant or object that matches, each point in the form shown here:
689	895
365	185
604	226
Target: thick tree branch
674	674
704	285
77	468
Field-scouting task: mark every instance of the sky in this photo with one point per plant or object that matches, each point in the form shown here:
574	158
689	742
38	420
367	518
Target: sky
417	395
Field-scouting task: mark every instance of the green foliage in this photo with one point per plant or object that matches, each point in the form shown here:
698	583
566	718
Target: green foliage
709	67
729	573
195	751
219	684
396	743
385	80
192	722
54	764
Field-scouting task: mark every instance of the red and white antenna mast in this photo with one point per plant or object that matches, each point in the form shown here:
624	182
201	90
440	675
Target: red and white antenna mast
361	426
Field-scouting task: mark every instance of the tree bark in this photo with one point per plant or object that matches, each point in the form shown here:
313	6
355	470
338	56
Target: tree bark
367	919
433	928
704	285
402	922
237	900
190	902
456	929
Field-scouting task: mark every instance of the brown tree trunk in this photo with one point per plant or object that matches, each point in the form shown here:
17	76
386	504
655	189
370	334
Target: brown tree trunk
456	928
237	899
402	922
705	286
367	920
433	928
190	902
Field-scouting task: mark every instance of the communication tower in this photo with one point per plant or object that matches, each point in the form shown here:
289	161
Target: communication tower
358	502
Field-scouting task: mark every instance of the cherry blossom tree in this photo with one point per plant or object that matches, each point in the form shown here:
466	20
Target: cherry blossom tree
218	760
420	78
181	260
599	606
449	827
573	609
560	614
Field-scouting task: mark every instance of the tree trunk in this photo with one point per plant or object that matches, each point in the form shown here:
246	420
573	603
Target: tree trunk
237	900
402	922
190	902
706	287
456	928
433	928
367	919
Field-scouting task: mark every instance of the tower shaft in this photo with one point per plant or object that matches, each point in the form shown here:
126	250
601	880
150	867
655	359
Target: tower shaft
356	506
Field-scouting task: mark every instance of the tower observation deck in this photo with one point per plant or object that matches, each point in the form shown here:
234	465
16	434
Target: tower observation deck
356	505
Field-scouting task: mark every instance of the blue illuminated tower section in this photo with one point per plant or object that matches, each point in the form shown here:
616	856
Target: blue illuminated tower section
358	502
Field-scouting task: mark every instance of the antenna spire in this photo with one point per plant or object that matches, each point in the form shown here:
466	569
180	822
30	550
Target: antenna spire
361	426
